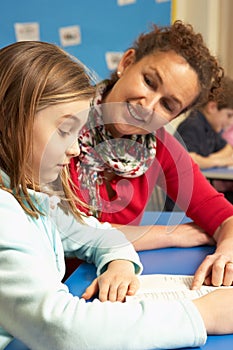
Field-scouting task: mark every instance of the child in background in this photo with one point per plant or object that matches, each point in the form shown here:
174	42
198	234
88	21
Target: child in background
228	134
202	134
44	99
201	131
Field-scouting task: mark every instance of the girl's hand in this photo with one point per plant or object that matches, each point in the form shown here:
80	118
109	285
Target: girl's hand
115	283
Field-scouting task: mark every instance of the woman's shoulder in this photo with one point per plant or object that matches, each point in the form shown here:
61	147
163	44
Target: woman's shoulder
165	139
169	149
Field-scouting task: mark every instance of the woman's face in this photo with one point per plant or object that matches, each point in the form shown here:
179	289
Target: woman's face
149	93
55	135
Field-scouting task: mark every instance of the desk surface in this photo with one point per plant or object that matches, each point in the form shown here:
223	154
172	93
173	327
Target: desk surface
218	173
169	260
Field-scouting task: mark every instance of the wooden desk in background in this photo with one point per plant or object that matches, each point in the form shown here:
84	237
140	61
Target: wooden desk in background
225	173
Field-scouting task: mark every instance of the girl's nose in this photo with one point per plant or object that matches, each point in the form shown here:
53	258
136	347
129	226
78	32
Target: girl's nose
73	150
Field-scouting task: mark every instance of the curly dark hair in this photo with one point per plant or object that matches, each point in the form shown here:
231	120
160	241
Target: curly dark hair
182	39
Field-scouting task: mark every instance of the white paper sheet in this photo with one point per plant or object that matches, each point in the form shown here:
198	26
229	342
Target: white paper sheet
157	286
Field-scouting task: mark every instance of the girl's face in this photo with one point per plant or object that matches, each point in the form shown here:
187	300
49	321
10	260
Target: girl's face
55	135
149	93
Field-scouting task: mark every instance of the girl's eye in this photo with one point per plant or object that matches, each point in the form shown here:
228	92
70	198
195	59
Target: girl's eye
63	133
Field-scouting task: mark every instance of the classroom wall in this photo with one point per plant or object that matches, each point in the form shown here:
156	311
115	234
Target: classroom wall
87	29
212	18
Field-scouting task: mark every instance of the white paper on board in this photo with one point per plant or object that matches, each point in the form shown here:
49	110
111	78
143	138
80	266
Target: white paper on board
125	2
27	31
70	36
112	59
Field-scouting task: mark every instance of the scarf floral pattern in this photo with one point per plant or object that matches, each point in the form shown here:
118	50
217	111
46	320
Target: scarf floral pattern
129	156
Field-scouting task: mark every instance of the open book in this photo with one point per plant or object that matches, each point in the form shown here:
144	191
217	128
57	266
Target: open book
167	287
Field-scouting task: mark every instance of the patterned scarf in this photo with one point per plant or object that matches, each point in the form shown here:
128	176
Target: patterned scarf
129	156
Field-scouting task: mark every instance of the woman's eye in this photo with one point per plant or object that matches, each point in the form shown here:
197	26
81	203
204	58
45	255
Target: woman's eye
150	82
167	106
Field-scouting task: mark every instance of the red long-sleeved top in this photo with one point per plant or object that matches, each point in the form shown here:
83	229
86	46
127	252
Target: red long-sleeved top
173	170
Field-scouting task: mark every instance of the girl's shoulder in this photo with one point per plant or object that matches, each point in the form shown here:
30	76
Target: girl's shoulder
7	200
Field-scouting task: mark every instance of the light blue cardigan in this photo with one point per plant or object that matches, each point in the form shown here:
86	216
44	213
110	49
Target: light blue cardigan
37	308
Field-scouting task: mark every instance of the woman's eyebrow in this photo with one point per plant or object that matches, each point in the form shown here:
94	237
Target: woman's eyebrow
158	76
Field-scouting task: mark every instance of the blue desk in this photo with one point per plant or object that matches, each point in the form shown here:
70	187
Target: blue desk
169	260
164	218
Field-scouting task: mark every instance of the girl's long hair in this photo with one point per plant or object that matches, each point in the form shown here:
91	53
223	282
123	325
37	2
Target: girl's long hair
34	75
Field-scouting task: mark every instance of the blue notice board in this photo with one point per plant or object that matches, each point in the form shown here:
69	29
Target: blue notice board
91	28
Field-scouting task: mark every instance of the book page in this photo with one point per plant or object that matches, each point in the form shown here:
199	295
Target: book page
157	286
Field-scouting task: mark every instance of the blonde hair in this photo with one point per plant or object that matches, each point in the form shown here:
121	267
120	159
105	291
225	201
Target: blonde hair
33	76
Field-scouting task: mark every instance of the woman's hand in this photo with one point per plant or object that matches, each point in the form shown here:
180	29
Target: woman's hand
115	283
217	269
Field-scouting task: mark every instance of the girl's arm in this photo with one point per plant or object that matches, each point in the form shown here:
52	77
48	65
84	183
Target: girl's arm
38	309
94	242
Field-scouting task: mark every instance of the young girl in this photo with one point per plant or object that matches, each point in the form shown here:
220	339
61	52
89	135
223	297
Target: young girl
44	98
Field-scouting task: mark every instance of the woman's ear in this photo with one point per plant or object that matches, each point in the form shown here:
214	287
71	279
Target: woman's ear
126	60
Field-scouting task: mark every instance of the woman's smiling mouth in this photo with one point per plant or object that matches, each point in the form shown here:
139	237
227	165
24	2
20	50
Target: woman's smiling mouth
139	113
